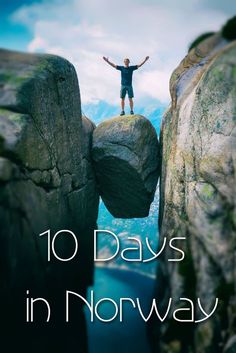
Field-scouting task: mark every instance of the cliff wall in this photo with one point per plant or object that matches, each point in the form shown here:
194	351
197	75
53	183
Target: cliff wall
197	199
46	183
54	163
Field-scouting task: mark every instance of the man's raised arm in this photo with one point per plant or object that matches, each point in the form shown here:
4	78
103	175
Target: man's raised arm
110	63
143	62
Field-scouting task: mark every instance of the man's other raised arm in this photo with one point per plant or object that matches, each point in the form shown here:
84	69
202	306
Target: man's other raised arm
143	62
109	62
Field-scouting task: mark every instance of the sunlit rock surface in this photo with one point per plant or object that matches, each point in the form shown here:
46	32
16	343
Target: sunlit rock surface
197	199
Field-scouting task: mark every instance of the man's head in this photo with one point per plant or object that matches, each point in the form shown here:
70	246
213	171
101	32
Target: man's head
126	61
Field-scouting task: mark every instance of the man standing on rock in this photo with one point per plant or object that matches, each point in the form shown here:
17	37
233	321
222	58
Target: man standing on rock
126	82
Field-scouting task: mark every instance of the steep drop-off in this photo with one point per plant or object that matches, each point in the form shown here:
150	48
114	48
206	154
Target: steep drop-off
197	200
50	182
46	183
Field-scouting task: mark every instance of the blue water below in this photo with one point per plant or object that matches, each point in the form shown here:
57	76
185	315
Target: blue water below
115	336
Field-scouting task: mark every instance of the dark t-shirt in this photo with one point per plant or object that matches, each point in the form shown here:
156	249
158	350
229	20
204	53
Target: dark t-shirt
126	74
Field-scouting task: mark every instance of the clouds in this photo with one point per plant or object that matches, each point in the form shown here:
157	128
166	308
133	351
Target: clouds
83	31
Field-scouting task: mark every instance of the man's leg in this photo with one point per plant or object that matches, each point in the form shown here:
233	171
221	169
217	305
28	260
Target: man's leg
131	104
122	104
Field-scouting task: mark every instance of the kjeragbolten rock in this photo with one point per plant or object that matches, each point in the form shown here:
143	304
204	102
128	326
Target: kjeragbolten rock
125	152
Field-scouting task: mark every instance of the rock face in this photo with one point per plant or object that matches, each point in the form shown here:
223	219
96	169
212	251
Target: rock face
46	183
126	161
198	199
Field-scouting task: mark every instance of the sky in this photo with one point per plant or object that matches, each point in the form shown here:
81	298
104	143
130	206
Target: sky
83	31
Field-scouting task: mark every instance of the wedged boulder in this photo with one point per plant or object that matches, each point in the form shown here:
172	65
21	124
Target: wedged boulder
125	152
46	183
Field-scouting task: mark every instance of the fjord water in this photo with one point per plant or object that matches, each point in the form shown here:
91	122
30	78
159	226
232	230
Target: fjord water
115	336
120	279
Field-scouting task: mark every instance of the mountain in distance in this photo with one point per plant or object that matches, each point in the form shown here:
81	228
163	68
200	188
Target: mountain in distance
102	110
124	228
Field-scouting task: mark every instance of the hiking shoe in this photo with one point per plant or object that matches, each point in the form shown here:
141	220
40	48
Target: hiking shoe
132	112
122	112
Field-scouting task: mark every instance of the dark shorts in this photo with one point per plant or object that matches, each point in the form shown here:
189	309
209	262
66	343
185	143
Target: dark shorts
126	89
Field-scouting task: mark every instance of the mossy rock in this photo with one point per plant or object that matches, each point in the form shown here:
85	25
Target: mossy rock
200	39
